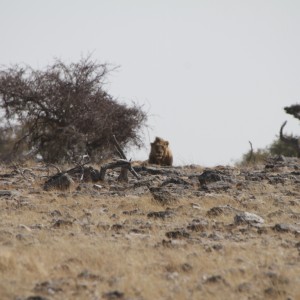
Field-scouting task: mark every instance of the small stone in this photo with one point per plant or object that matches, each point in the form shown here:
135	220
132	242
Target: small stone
113	295
186	267
213	279
49	287
177	234
6	193
244	287
87	275
160	214
117	227
215	211
97	186
55	213
248	218
131	212
287	228
198	226
217	247
36	298
60	223
25	227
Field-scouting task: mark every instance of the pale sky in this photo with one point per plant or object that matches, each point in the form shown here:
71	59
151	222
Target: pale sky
212	74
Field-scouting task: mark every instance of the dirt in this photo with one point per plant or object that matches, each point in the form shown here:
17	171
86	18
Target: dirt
184	232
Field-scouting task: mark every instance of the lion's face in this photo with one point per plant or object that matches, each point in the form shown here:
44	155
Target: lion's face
160	153
159	149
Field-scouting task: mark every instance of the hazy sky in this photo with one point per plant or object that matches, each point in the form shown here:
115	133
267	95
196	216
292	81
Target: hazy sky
212	74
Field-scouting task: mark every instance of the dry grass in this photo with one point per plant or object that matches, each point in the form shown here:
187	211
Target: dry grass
78	246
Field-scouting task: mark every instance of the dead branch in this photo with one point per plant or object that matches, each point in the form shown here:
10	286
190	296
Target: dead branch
125	163
251	153
120	151
55	167
121	163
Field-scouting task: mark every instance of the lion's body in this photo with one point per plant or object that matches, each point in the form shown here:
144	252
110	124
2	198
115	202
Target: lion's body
160	153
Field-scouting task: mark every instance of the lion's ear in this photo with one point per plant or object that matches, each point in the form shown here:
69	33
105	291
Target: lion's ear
166	143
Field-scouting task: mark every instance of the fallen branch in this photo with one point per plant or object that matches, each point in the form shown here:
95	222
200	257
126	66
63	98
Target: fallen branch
119	149
125	166
123	163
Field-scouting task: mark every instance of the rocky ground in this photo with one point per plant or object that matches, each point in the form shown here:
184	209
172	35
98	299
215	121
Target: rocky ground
174	233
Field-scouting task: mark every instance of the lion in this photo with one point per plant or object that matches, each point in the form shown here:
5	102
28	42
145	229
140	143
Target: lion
160	153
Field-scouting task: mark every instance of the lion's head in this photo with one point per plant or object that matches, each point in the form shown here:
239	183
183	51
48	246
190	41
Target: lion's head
160	153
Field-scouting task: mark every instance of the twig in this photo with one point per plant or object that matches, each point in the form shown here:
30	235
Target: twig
55	167
251	153
120	151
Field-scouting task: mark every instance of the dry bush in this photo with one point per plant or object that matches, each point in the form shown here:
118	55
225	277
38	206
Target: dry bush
64	110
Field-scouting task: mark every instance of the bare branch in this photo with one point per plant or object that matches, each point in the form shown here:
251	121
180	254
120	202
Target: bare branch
120	151
251	153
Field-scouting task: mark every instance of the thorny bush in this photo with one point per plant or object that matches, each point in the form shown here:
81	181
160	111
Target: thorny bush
64	111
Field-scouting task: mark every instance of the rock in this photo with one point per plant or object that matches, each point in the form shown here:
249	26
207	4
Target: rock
87	275
186	267
220	210
4	193
113	295
215	211
213	279
22	237
262	230
49	287
117	227
217	247
244	287
216	236
198	225
209	176
61	223
287	228
103	226
219	186
163	196
60	181
255	176
25	227
97	187
248	218
177	234
176	180
55	213
36	298
5	236
132	212
160	214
